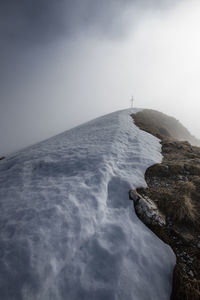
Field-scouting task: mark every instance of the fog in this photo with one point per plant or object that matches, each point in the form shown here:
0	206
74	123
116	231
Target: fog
64	63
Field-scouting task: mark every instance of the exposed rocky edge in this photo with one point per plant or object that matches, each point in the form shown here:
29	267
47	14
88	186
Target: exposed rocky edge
174	188
147	210
2	157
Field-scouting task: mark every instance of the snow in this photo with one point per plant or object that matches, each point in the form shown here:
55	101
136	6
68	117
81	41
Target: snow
68	228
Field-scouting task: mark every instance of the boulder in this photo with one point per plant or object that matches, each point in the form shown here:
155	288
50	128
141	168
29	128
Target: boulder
147	210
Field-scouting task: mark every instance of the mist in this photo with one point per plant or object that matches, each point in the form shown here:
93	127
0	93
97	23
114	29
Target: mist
64	63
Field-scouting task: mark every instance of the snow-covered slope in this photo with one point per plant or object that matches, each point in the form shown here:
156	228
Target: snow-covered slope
68	228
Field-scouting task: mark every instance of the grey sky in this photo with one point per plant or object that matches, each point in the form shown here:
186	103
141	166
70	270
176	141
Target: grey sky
39	21
64	62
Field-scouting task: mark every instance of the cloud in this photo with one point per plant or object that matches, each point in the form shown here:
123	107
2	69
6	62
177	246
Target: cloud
65	62
40	21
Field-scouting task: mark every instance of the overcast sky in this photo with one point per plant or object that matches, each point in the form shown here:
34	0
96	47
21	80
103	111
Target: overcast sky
64	62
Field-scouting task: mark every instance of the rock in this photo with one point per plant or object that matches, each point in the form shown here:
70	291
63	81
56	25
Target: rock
191	259
187	238
147	210
191	273
133	195
198	245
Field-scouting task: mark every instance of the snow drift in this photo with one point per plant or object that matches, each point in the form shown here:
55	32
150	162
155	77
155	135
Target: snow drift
68	228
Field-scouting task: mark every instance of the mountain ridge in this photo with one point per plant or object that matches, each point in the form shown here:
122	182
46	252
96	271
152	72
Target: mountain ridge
69	230
164	126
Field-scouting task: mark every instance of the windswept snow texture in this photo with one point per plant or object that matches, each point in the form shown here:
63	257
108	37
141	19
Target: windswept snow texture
68	228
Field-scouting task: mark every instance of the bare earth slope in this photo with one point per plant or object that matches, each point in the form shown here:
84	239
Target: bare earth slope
174	186
162	125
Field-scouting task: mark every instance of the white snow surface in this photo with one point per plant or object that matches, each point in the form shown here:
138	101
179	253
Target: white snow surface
68	228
